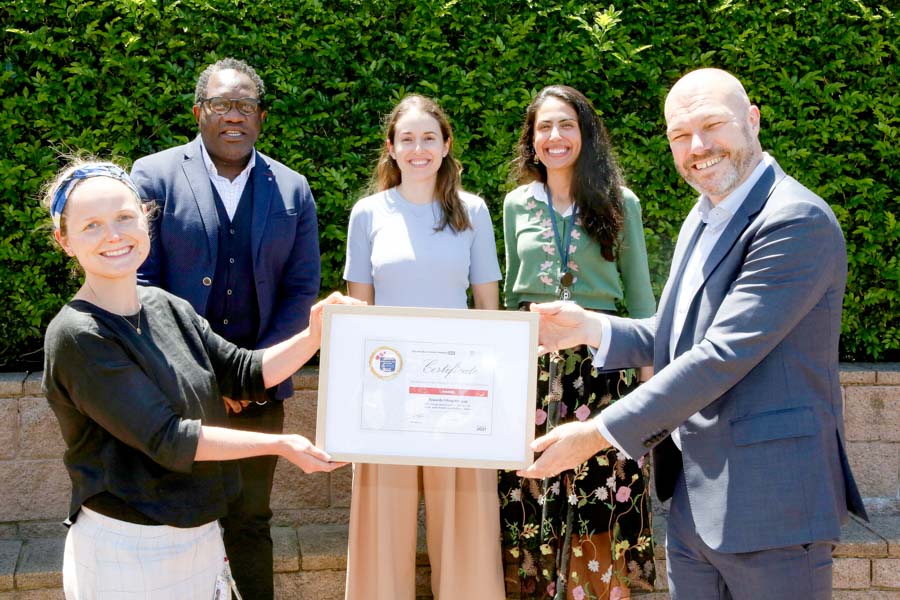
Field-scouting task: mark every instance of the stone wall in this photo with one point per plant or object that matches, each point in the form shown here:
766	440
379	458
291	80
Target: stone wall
311	510
872	421
35	488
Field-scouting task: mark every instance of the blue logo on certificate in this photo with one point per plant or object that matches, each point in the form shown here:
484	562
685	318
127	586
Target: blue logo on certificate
385	362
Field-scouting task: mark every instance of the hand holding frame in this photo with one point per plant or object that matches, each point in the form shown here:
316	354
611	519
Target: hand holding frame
566	447
564	325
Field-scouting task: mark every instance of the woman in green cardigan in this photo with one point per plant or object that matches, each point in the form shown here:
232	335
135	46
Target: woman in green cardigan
572	231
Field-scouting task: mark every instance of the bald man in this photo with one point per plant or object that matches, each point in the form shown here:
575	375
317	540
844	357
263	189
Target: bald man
744	414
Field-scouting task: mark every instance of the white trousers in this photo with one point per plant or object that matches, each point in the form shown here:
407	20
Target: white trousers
110	559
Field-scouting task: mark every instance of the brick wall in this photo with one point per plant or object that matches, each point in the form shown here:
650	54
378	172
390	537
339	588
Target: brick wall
872	420
35	491
311	510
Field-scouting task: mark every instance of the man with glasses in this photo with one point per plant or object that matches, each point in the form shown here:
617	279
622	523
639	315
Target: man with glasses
236	236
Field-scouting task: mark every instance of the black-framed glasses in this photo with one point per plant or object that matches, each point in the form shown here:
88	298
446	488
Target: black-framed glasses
221	106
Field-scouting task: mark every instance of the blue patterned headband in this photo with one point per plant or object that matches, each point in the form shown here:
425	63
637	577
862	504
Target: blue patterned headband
65	187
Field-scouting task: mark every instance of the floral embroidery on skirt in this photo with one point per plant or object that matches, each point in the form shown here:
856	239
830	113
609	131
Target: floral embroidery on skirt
607	493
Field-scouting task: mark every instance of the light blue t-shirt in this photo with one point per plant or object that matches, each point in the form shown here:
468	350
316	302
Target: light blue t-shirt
392	244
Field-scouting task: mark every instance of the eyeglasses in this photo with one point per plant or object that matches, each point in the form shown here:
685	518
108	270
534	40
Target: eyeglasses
222	106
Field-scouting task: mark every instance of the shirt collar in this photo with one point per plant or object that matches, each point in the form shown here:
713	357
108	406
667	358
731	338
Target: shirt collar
211	167
716	216
538	191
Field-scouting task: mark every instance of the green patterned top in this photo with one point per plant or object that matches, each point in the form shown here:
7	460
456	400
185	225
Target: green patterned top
533	262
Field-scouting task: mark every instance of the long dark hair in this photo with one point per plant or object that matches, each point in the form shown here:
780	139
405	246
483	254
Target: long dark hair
387	173
596	179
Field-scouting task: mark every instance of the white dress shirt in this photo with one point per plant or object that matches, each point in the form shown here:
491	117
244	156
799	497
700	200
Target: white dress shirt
716	218
229	191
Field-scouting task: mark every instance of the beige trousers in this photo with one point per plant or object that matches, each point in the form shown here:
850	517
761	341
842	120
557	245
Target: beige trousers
462	522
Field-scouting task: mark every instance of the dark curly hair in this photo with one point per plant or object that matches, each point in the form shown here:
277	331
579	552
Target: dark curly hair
596	179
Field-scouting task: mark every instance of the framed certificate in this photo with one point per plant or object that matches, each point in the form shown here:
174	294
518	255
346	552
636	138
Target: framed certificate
427	386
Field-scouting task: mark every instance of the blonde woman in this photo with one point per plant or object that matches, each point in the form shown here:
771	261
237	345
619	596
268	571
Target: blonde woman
136	381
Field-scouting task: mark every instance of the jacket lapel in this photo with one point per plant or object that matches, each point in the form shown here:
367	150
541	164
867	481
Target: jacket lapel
198	179
263	181
748	209
751	205
687	239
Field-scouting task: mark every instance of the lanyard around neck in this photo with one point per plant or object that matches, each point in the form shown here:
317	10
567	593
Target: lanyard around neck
562	246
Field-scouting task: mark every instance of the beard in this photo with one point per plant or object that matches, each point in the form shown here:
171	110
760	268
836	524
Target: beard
737	164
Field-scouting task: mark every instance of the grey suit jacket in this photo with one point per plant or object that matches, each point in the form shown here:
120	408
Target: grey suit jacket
753	387
184	238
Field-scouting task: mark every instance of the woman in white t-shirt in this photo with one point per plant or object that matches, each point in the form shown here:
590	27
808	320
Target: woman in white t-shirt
419	240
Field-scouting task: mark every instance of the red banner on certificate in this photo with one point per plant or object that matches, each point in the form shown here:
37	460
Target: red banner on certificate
448	391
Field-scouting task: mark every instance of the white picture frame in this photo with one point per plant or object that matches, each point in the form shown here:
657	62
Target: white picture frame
426	386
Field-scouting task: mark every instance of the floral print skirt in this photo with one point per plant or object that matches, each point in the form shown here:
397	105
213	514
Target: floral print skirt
546	522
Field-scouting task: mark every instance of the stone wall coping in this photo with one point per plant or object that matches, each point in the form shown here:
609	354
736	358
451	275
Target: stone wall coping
860	539
9	556
11	384
40	564
32	384
870	373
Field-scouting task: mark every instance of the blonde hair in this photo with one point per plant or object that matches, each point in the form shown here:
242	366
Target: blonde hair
57	190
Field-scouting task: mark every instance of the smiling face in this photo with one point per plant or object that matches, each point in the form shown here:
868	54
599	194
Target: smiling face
418	146
712	130
105	228
229	138
557	136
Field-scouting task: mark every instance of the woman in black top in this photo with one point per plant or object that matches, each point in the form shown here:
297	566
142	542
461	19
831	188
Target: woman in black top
136	380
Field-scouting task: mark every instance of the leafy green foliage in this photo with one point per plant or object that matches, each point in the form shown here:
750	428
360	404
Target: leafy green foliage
116	77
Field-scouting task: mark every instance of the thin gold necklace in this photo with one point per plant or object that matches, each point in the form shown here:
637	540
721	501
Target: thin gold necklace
126	319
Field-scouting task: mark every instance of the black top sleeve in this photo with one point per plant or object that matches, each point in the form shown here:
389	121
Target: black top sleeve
130	405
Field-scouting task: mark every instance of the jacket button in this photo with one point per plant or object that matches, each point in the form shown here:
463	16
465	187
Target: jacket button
207	281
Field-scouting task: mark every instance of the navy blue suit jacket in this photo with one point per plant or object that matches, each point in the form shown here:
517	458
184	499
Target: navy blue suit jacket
753	388
184	238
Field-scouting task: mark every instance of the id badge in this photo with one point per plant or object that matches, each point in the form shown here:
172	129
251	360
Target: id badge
225	584
223	588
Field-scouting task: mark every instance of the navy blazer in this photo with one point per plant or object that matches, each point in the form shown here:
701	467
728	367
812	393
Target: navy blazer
184	238
753	388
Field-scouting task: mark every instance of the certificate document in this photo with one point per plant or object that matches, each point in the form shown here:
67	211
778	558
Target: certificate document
424	386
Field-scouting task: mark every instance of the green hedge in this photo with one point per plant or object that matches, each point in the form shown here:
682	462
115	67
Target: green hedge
116	78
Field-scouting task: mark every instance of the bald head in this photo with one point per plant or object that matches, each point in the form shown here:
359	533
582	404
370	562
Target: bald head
713	132
707	84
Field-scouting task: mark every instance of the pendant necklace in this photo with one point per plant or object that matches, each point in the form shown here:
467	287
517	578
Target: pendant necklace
137	327
566	279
